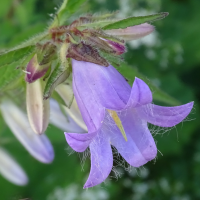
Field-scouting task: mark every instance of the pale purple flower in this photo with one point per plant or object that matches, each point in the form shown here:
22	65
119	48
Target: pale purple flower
11	170
133	32
64	122
38	146
101	92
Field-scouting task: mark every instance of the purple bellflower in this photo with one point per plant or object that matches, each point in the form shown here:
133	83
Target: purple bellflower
117	115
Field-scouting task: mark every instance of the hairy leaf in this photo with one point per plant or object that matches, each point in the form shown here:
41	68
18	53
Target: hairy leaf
132	21
67	8
9	74
12	56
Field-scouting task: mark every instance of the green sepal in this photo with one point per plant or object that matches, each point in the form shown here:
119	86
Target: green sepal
45	53
112	59
57	97
132	21
59	75
66	92
47	74
95	24
102	16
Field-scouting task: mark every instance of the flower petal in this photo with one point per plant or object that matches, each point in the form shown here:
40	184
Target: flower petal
57	118
101	160
79	142
140	94
165	116
91	111
11	170
37	145
140	146
107	86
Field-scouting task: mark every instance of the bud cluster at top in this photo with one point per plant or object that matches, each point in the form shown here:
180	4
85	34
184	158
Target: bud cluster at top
81	42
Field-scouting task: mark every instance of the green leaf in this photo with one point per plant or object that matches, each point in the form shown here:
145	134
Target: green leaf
67	8
15	55
9	74
132	21
130	73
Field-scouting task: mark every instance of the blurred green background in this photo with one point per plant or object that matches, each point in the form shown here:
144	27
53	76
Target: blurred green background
170	58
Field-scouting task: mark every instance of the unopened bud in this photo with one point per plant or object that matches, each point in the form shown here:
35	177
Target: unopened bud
119	48
83	52
37	108
37	145
104	42
10	169
133	32
35	71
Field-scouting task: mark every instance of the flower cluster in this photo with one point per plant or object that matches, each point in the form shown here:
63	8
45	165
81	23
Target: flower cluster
74	65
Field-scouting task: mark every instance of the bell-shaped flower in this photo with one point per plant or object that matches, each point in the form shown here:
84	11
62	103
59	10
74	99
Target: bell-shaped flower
10	169
133	32
38	146
118	115
38	110
63	121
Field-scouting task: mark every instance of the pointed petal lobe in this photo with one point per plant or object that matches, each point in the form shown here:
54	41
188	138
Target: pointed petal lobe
140	94
165	116
79	142
101	160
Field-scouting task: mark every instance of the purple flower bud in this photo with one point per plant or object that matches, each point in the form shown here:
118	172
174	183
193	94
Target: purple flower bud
133	32
35	71
10	169
103	41
37	108
119	48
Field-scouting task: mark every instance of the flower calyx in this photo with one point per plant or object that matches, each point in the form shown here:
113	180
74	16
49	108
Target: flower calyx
40	62
103	41
84	52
